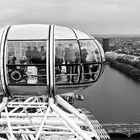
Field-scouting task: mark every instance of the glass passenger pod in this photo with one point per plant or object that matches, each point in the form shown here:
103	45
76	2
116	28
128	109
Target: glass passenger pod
77	57
26	59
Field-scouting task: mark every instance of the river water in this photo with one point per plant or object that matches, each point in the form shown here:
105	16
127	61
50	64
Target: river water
115	98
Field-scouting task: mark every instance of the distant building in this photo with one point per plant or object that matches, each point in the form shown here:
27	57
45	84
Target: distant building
106	44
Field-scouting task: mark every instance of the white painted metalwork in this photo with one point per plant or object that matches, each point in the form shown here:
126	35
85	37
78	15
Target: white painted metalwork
32	119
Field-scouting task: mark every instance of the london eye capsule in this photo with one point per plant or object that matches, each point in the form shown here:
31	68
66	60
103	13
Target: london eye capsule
39	59
37	63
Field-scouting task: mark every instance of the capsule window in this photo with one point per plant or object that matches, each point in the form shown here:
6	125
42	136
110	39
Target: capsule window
26	62
90	58
67	62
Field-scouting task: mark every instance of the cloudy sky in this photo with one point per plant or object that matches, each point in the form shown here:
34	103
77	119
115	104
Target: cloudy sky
91	16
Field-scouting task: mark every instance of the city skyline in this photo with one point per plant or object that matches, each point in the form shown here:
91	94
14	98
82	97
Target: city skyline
90	16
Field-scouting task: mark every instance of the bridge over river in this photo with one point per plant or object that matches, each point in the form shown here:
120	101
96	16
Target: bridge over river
128	129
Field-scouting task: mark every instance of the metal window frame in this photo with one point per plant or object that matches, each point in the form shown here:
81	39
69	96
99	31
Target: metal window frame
51	62
3	72
2	63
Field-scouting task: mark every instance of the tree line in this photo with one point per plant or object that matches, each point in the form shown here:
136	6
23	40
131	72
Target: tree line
130	68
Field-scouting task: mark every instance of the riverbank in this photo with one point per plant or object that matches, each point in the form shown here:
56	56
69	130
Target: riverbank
115	98
125	68
124	64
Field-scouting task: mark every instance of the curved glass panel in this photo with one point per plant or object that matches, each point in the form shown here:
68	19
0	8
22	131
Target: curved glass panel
26	62
1	31
101	50
28	32
81	35
89	51
90	58
63	33
67	62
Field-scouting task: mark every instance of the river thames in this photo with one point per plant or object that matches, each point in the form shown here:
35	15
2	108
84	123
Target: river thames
115	98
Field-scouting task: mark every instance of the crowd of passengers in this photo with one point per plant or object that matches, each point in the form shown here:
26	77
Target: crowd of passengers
32	56
70	57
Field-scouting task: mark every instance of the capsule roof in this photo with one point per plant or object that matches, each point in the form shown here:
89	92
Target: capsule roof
41	31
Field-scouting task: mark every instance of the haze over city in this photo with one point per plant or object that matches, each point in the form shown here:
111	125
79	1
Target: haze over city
91	16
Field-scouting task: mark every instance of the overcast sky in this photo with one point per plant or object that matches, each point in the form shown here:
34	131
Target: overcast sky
91	16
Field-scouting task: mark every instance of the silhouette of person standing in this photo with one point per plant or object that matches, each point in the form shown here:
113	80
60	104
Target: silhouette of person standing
29	53
70	60
35	56
59	56
42	54
84	55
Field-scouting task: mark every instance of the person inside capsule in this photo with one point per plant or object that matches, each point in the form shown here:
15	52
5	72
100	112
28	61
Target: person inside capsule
85	70
35	57
29	53
70	59
93	57
42	67
42	54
